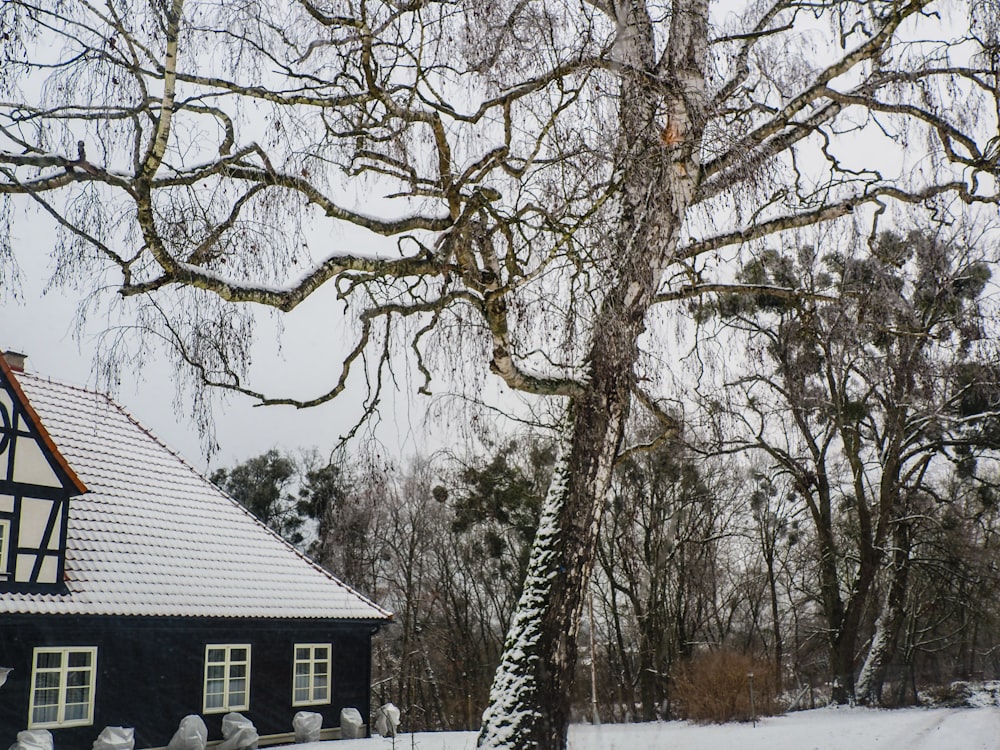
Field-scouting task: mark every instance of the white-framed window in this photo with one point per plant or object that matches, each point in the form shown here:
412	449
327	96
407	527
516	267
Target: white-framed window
227	678
62	687
4	546
311	674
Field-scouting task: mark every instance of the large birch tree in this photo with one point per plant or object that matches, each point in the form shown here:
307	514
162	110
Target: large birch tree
542	177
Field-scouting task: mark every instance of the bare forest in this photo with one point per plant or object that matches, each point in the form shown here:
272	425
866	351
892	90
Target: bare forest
733	258
712	558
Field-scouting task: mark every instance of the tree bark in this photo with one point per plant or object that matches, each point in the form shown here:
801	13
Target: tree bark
887	626
772	586
530	698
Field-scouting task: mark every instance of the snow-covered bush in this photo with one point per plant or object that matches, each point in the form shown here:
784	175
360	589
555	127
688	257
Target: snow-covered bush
960	694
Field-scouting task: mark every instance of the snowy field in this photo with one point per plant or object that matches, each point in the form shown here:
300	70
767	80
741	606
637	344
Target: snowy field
822	729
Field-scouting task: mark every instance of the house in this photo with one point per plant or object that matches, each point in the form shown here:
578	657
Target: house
134	592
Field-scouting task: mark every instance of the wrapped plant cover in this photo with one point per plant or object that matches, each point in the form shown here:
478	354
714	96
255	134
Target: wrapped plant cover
351	725
115	738
239	733
192	734
387	720
307	725
33	739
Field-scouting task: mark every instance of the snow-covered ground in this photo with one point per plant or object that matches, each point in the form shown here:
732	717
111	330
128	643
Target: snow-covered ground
822	729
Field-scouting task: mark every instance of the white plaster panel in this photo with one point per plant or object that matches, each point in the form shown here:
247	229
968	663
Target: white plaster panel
31	466
49	570
22	570
54	541
34	518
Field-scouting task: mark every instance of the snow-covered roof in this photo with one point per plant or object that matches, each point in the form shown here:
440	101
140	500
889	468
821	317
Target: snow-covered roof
153	537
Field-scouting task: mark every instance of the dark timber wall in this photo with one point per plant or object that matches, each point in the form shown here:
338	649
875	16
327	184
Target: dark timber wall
150	671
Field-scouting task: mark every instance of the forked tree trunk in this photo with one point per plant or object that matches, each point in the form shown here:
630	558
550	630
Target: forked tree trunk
530	699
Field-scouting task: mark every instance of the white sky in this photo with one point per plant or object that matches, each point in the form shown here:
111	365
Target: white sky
42	325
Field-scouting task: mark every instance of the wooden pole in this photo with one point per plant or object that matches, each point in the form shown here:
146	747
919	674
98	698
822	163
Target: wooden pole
595	717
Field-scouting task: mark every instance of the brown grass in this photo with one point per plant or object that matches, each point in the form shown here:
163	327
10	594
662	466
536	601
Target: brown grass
714	687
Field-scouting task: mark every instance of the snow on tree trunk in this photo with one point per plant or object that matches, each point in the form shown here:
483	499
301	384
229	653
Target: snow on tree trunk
660	142
529	700
874	665
872	676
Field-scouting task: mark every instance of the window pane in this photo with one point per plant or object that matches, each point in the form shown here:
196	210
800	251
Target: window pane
319	694
322	652
75	711
215	672
238	654
238	670
48	660
216	654
301	669
78	695
46	680
320	681
215	686
77	678
301	694
213	700
48	697
301	681
237	686
301	653
44	714
236	699
320	667
79	659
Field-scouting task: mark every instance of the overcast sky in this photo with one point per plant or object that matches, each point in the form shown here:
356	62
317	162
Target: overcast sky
42	325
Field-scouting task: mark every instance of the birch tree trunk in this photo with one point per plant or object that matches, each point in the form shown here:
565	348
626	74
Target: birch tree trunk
530	698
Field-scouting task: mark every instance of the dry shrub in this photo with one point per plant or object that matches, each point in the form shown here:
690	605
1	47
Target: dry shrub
715	687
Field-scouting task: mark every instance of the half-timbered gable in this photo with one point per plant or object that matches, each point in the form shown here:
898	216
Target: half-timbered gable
35	486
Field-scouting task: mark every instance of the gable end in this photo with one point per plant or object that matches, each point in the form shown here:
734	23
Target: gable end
36	484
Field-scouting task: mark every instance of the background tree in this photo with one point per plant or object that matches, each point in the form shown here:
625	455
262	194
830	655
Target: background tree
660	577
496	505
855	401
264	484
545	175
774	529
492	504
951	627
345	511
